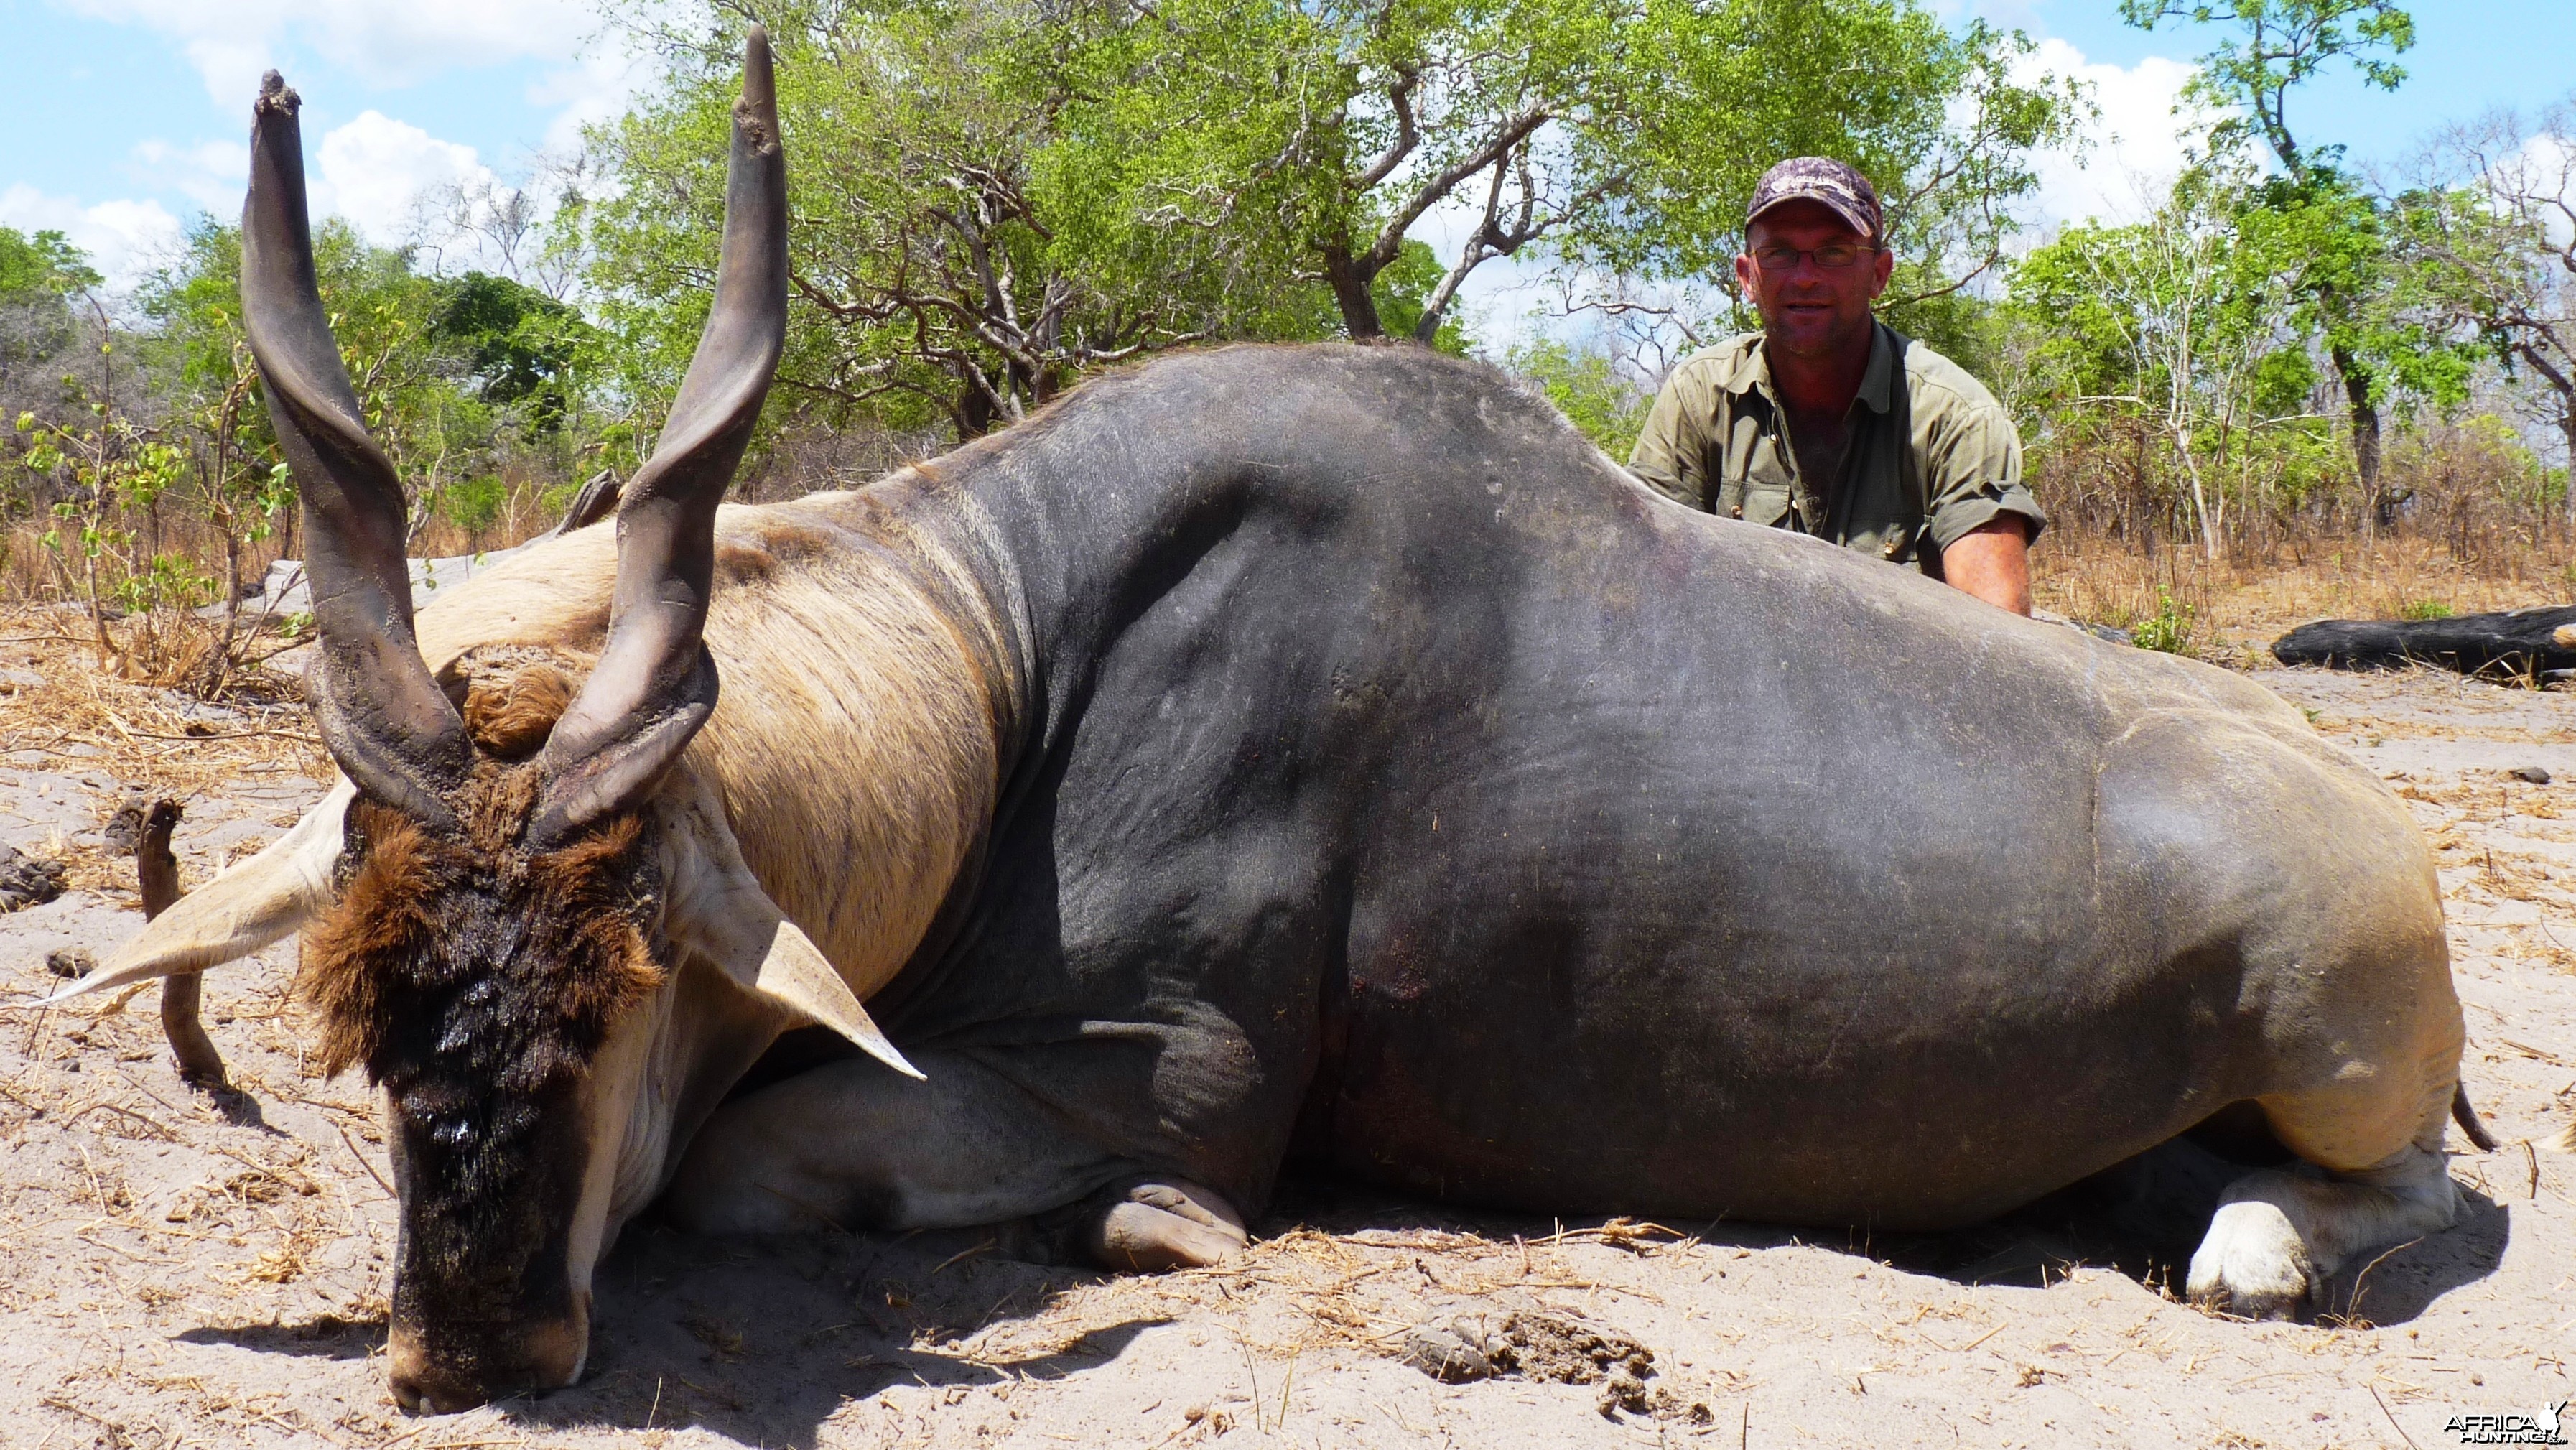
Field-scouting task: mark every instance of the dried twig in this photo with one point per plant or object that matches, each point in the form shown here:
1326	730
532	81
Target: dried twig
364	1163
2392	1419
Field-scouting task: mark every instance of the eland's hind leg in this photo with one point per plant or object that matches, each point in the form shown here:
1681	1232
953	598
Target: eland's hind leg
2279	1233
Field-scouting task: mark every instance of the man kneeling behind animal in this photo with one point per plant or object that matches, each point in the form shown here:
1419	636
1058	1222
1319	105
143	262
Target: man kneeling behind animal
1830	422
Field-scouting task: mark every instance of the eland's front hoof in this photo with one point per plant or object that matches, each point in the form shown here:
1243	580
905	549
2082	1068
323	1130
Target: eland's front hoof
2252	1264
1149	1227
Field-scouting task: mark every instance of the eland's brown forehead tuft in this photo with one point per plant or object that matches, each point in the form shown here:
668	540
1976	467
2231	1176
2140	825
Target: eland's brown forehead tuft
472	959
511	716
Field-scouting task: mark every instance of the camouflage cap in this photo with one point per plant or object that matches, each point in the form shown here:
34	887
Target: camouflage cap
1823	180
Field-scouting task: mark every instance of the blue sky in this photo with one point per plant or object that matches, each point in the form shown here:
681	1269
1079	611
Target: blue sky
2467	57
127	117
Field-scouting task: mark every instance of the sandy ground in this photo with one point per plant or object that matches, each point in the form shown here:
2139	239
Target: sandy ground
179	1268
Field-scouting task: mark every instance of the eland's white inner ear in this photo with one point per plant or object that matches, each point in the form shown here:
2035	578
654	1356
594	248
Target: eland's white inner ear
720	910
246	907
760	948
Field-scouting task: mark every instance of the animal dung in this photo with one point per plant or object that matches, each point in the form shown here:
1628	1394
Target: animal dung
123	833
1467	1341
27	880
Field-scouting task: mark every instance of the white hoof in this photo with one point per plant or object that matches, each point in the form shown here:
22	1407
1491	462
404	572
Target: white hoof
2252	1263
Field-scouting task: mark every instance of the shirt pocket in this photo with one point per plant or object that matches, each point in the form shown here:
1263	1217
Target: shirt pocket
1763	492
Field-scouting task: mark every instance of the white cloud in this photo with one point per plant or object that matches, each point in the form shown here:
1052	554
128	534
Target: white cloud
592	89
390	42
124	239
209	173
2133	150
379	172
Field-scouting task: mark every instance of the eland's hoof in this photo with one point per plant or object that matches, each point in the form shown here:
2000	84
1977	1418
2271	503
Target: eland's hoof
2252	1264
1148	1227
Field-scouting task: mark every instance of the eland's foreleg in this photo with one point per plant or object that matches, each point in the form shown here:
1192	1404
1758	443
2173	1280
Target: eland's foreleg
853	1145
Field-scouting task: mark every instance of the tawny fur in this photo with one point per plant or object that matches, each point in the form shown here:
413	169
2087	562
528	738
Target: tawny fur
854	743
511	717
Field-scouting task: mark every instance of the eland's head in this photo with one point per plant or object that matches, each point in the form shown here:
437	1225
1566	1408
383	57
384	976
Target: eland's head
497	897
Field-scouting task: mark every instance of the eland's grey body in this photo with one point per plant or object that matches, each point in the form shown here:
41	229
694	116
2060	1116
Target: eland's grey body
1314	752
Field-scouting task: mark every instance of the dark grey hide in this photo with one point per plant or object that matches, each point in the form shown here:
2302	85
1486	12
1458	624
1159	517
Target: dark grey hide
1402	787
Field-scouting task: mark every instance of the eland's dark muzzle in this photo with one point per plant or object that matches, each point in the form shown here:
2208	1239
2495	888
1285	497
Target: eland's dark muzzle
484	1304
509	1359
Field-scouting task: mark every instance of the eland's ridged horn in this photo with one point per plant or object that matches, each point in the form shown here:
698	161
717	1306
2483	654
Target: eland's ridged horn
655	683
391	729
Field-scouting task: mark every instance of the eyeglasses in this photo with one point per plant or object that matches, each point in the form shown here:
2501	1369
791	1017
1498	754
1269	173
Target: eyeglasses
1833	257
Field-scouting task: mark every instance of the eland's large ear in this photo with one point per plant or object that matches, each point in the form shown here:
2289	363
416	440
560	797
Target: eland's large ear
259	901
718	909
761	949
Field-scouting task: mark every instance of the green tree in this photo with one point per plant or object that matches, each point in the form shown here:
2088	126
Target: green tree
1619	138
40	276
993	195
2151	320
2349	287
521	347
1587	386
948	269
2490	230
423	366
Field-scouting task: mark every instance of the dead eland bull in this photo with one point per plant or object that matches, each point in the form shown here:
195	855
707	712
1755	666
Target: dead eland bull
1273	752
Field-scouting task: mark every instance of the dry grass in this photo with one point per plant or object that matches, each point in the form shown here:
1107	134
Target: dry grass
1306	1292
2244	602
145	734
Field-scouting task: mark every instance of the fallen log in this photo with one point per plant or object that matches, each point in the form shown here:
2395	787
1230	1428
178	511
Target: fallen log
2521	643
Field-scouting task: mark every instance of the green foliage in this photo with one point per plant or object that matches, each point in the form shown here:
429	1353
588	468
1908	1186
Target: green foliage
993	196
519	345
2354	296
475	504
437	364
1402	296
2424	609
39	277
2169	629
165	581
950	268
45	265
2172	331
2278	45
1622	138
1586	386
2283	382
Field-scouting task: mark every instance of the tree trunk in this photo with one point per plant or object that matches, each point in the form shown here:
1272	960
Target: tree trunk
1351	292
2567	421
2365	437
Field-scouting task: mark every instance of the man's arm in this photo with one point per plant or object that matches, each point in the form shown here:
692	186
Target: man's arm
1983	518
1667	456
1992	562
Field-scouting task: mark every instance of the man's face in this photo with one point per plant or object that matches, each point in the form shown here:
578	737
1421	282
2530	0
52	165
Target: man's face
1810	310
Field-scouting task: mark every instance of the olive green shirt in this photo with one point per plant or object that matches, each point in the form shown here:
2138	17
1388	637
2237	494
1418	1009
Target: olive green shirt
1925	463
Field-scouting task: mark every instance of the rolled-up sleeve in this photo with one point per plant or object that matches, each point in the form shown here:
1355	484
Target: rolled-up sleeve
1971	459
1671	456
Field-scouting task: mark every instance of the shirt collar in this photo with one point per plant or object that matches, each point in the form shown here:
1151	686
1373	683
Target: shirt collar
1752	370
